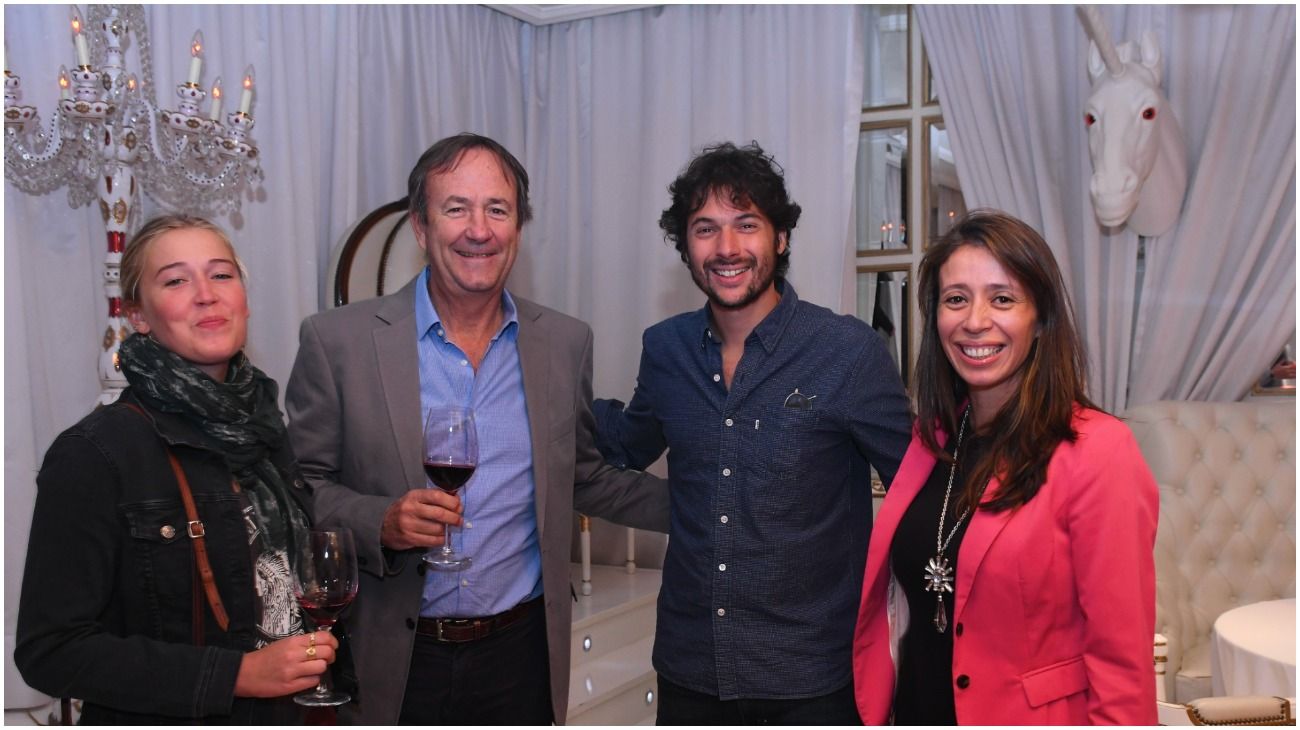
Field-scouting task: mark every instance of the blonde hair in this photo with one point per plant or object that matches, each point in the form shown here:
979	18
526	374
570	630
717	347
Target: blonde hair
133	257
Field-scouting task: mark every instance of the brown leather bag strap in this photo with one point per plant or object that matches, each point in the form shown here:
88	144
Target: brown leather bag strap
202	567
195	530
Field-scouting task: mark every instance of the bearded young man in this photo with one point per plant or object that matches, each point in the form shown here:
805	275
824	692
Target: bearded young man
773	412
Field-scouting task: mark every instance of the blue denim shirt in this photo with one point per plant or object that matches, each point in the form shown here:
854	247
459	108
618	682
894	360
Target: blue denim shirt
770	493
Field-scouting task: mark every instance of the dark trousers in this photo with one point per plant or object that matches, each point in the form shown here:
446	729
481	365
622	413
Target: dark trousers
681	706
502	679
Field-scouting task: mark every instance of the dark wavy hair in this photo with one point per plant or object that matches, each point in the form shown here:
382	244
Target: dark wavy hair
1036	419
445	154
745	175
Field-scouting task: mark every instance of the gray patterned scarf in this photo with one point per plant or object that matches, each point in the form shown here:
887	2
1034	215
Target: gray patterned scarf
241	414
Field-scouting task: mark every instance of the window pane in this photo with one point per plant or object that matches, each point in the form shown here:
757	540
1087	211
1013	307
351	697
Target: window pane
885	79
944	203
880	190
883	304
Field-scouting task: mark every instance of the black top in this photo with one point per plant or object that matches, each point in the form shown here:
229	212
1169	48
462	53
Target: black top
924	689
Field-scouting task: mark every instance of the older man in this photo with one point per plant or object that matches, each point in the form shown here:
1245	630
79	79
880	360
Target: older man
488	644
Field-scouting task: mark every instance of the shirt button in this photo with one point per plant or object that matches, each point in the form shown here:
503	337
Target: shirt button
963	682
723	519
464	582
464	362
716	377
722	567
726	472
722	612
440	333
729	421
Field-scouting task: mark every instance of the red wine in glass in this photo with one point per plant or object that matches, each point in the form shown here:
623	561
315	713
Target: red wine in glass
450	457
449	477
325	581
323	609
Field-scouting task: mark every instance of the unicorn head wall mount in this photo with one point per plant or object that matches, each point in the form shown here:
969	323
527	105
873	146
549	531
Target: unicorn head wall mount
1139	157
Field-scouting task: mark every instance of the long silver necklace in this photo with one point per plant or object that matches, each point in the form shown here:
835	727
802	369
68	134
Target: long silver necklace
938	574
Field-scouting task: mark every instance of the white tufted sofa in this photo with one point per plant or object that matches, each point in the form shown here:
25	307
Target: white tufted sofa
1227	519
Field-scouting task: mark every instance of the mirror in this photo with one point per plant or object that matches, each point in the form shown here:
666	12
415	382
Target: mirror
880	189
884	303
884	79
944	203
931	91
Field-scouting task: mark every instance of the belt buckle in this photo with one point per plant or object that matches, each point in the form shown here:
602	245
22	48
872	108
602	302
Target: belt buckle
455	623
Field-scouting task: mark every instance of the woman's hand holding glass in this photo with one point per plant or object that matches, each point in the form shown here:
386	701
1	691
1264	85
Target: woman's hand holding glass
285	666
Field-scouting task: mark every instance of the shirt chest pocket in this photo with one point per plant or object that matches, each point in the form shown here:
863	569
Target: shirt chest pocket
779	438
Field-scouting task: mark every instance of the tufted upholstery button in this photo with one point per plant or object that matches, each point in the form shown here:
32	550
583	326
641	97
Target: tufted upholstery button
1179	491
1281	456
963	681
1198	455
1196	527
1218	492
1237	454
1259	491
1236	527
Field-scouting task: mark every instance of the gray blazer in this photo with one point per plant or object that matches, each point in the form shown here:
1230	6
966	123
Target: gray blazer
353	401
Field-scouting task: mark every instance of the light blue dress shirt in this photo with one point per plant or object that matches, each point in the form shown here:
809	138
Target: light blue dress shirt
500	531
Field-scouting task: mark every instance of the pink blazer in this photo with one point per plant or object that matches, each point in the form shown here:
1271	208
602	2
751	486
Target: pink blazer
1055	605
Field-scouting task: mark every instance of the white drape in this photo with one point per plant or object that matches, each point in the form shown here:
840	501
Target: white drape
618	104
1219	295
1012	82
603	112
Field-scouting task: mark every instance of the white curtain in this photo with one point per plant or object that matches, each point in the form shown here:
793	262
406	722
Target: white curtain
1012	82
603	113
616	107
1219	296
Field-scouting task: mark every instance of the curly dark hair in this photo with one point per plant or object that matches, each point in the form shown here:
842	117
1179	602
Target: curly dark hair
745	175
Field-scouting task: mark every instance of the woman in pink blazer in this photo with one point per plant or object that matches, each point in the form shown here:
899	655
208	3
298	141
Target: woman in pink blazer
1037	606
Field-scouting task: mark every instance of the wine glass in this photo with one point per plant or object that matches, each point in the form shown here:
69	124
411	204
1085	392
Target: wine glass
450	457
325	582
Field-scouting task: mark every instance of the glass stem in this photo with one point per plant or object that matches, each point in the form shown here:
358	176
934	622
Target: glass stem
446	540
321	689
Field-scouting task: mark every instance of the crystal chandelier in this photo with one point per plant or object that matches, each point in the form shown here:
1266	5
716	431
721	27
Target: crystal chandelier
106	138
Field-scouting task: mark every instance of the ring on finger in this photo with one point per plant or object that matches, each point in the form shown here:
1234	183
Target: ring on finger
311	638
311	651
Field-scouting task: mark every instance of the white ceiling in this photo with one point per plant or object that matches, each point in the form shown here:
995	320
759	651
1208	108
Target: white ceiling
545	14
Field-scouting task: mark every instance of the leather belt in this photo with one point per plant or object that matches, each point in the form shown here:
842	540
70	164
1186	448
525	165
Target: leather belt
461	630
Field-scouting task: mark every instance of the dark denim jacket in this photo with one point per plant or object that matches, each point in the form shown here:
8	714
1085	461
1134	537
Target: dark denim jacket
106	606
